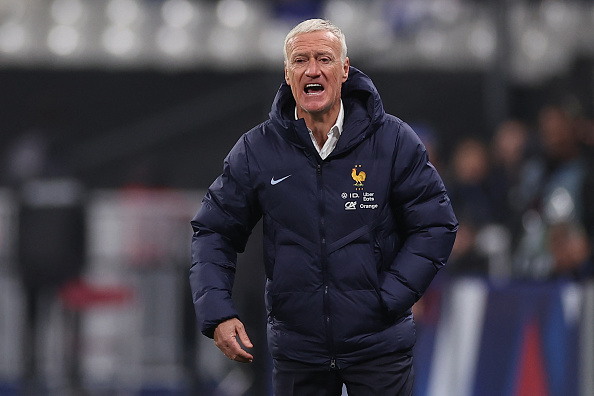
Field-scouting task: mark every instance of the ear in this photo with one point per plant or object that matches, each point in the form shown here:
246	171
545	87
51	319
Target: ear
346	66
287	75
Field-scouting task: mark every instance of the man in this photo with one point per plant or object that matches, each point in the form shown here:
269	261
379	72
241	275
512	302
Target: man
356	224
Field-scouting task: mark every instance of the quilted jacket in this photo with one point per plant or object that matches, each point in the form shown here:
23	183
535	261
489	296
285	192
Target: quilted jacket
350	242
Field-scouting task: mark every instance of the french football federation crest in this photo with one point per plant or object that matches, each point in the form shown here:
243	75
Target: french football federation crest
358	177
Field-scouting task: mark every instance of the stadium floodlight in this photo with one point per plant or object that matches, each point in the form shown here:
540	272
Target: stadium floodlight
430	43
118	40
123	12
482	41
340	12
66	12
178	13
172	41
232	13
534	43
12	37
224	44
63	40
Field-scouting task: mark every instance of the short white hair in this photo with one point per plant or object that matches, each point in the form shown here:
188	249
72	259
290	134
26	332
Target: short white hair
317	25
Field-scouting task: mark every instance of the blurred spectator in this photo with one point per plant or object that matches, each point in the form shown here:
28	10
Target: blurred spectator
469	189
50	237
570	251
508	148
550	190
466	259
585	128
428	136
468	185
559	164
538	199
586	137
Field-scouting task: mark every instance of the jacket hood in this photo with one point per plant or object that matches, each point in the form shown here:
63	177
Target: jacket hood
363	106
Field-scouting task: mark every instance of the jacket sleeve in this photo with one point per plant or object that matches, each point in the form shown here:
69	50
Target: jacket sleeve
220	231
426	223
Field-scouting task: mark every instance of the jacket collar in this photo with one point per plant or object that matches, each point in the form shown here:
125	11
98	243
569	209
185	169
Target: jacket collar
363	113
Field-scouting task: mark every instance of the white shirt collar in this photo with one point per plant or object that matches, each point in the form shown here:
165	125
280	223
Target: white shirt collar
339	120
333	134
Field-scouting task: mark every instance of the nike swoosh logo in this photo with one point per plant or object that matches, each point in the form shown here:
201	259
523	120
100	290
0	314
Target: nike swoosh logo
273	182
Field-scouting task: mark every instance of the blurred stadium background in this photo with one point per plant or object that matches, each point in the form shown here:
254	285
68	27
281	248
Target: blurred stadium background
115	116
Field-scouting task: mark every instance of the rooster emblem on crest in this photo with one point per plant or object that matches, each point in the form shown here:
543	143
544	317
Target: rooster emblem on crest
359	178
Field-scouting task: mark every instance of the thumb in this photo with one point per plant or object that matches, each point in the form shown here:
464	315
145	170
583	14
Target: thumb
243	337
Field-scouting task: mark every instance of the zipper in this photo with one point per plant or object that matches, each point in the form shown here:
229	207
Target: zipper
333	364
324	262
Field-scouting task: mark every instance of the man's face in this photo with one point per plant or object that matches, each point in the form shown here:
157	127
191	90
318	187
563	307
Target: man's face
315	72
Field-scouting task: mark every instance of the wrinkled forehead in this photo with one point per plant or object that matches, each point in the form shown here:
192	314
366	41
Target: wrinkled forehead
318	41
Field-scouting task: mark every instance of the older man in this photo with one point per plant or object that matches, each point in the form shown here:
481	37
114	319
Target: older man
357	222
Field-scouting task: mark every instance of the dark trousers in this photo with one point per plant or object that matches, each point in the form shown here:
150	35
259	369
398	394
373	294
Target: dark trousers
386	376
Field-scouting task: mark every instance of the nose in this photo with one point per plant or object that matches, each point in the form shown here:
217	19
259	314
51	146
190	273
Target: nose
313	69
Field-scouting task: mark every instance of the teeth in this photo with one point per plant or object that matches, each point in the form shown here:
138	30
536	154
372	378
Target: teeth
313	85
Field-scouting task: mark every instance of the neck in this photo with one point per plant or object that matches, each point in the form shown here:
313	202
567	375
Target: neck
320	130
320	123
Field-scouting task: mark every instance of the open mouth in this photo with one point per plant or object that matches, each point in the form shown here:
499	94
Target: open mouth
313	89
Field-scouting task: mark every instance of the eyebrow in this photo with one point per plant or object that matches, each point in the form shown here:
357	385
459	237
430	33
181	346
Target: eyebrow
318	53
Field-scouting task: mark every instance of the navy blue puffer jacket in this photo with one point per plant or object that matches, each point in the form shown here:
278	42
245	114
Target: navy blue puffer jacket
350	242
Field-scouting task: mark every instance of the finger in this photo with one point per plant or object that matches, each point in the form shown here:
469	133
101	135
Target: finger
238	353
243	337
231	348
225	338
244	357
